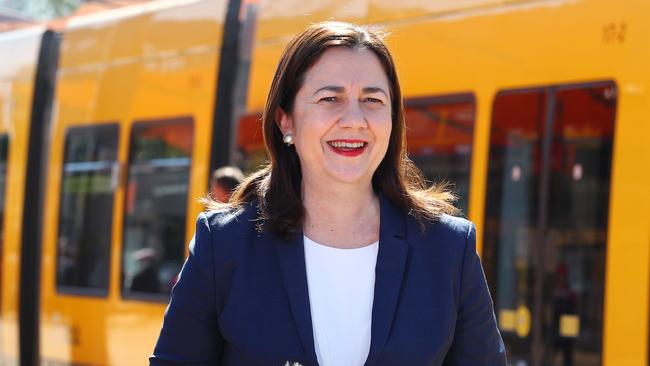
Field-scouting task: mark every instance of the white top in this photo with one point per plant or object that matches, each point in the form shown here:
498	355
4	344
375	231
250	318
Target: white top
341	290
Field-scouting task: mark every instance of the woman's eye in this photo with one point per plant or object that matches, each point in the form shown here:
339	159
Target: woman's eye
328	99
374	100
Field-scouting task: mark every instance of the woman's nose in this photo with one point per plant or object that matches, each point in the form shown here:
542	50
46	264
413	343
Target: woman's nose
353	116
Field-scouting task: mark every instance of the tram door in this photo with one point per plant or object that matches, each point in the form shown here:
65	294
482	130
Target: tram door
546	221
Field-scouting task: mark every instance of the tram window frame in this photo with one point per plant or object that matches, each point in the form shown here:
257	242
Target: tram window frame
95	292
137	126
467	97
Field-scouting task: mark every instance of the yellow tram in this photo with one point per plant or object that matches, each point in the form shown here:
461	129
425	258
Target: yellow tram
536	111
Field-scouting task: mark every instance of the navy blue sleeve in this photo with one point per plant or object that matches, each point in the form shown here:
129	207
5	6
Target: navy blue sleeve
477	341
190	332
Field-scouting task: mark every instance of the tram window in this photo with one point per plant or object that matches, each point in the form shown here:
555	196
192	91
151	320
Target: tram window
546	220
440	133
251	153
86	209
156	206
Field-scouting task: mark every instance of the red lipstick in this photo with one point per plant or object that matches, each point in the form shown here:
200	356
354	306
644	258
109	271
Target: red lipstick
348	147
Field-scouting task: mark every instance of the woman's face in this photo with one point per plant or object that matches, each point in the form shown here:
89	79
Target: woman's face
341	119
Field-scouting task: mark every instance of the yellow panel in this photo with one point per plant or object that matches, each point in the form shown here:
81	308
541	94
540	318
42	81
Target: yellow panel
265	60
387	10
283	19
629	235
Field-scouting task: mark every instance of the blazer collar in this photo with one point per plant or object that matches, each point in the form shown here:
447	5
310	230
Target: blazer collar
291	256
389	271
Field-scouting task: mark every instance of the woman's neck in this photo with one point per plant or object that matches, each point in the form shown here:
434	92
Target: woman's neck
341	215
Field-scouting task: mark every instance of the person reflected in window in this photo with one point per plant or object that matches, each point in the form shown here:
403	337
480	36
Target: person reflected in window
146	278
336	252
68	259
223	182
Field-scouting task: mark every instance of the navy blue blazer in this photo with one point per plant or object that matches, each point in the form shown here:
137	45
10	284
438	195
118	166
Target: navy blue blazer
242	297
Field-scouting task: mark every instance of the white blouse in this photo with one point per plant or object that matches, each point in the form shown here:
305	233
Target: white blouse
341	291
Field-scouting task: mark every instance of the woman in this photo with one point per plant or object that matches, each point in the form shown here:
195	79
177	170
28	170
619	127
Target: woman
336	253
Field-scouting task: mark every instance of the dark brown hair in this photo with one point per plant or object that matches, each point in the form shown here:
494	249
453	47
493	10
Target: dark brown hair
277	185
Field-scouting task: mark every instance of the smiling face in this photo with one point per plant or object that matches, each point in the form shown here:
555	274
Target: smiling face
341	117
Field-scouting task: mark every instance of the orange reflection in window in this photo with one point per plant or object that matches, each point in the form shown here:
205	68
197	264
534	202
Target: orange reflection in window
585	113
439	127
519	115
250	137
176	135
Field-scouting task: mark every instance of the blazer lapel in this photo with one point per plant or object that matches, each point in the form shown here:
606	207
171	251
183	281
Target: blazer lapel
291	257
389	271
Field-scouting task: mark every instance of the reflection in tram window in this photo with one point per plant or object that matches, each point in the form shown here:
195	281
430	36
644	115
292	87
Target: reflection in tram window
86	209
580	168
515	146
156	205
251	153
440	133
546	220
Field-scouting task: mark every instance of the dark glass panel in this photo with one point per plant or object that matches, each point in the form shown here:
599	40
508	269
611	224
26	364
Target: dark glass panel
156	206
86	209
575	240
511	210
440	137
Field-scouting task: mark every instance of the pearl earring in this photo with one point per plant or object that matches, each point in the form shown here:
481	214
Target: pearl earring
288	139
